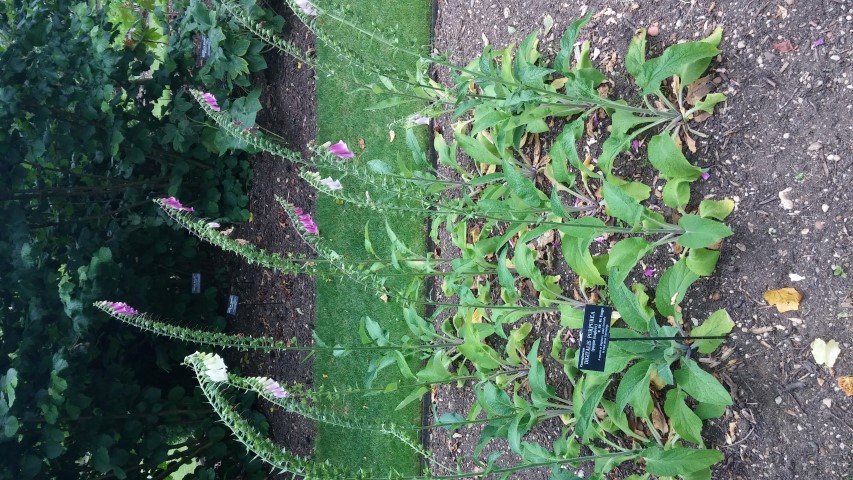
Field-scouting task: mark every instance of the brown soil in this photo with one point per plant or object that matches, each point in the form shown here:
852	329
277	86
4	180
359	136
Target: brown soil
786	124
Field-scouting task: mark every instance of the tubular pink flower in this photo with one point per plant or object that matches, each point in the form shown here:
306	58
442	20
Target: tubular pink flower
307	7
332	184
648	272
705	175
419	119
274	388
341	150
177	205
210	100
122	308
306	221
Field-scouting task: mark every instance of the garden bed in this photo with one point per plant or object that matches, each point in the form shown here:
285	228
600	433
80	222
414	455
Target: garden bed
786	124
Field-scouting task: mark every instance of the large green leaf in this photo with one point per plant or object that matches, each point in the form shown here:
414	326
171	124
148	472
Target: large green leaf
567	44
700	232
621	205
636	56
626	303
702	261
672	287
634	384
683	420
700	384
667	158
678	460
719	323
589	400
674	60
576	248
476	150
520	184
691	72
626	254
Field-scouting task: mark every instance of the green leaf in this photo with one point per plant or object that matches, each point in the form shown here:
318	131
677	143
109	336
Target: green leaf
626	303
414	395
634	384
576	249
590	399
719	323
567	43
678	460
636	56
667	158
494	400
622	206
476	150
718	209
515	342
507	281
626	254
675	60
683	420
702	261
676	193
692	71
706	411
10	426
435	371
710	101
700	384
539	391
446	153
488	120
564	152
700	232
672	287
521	185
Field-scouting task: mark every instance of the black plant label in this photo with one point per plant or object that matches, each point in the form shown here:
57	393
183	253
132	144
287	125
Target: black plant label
196	285
594	337
232	305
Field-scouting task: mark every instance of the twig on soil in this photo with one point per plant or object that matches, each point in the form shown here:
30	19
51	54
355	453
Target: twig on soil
752	429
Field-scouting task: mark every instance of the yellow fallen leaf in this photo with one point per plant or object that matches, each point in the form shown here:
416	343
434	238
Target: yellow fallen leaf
785	299
825	353
559	83
846	384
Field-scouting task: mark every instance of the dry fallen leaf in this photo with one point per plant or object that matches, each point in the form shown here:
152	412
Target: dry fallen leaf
392	134
361	143
846	384
783	46
796	278
241	241
825	353
784	201
785	299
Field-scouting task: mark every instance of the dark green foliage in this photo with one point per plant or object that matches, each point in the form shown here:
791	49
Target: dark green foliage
95	122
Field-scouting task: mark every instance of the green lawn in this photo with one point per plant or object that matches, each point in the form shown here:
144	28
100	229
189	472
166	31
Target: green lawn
341	115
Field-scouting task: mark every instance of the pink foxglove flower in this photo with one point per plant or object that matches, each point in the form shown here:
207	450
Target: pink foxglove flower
705	175
307	7
332	184
274	388
306	221
648	272
122	308
419	119
214	367
210	100
817	43
635	145
601	239
341	150
177	205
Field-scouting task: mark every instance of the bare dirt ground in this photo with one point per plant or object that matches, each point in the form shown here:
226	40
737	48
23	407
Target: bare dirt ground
786	125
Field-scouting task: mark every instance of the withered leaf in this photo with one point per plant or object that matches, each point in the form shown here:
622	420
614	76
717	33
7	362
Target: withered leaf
784	299
783	46
846	385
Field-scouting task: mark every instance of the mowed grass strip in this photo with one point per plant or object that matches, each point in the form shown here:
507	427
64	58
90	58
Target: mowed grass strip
341	115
